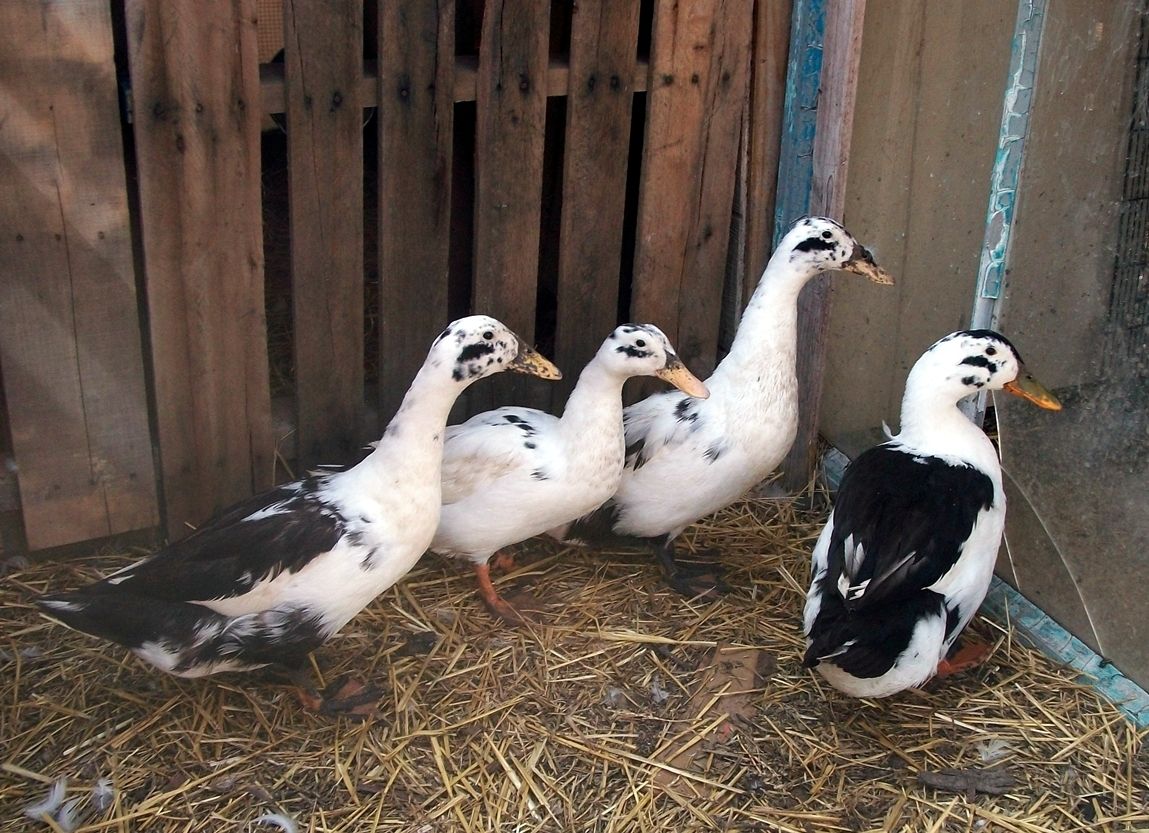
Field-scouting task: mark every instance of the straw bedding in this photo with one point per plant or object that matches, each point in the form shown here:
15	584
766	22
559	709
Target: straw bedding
630	710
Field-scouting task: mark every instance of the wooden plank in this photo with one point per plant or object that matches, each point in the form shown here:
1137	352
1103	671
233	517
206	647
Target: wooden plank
704	275
324	64
69	325
699	68
414	186
598	117
463	85
764	133
511	100
842	49
195	84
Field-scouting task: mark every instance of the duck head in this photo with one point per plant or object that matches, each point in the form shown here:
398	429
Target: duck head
478	345
819	244
644	350
969	361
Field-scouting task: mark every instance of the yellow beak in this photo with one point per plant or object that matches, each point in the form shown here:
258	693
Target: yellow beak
1029	388
533	363
861	262
676	373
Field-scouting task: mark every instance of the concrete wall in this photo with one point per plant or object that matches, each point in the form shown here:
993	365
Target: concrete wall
925	130
929	107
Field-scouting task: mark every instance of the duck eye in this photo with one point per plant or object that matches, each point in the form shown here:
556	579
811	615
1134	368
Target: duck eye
827	235
640	343
488	335
991	351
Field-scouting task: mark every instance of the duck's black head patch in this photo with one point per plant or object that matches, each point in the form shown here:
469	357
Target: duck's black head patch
469	364
815	244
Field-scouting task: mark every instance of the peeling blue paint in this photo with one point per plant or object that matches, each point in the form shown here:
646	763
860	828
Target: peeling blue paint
799	115
1016	103
1005	605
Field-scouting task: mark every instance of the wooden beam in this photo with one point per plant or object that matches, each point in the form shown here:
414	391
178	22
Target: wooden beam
764	133
603	46
414	187
70	337
197	147
325	173
509	174
464	86
841	53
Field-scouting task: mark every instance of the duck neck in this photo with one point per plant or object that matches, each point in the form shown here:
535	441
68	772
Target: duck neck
594	408
412	444
932	423
768	331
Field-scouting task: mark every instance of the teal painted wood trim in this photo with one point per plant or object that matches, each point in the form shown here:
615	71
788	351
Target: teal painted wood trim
799	115
1016	102
1004	604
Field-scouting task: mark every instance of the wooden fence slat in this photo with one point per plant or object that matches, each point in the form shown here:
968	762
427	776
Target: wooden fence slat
602	64
324	65
195	81
511	101
767	97
841	51
699	67
415	146
69	328
725	83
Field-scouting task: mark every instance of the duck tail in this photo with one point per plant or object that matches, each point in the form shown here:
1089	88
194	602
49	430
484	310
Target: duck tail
125	619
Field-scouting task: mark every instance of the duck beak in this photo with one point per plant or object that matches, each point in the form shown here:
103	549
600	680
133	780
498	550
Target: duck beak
861	262
1029	388
533	363
676	373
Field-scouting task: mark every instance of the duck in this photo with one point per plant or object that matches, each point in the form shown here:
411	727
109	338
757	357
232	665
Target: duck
273	577
687	457
513	473
906	556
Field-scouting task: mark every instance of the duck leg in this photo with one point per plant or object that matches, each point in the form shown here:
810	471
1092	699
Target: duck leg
495	603
345	696
503	560
693	578
970	655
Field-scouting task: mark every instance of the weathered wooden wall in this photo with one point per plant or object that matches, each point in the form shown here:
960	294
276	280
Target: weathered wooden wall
70	338
558	168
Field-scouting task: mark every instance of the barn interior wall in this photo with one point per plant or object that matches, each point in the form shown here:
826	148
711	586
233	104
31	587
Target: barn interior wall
925	129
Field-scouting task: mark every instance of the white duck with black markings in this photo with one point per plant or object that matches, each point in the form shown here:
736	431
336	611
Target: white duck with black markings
687	458
513	473
907	554
275	576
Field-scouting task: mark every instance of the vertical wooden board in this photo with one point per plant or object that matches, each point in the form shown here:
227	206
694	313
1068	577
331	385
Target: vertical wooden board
416	83
680	55
195	84
725	83
324	68
699	67
69	324
768	63
599	102
841	49
511	101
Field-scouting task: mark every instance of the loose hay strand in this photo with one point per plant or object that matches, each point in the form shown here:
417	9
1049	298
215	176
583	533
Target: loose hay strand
569	725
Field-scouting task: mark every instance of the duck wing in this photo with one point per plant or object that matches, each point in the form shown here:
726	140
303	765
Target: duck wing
660	422
253	541
491	446
899	523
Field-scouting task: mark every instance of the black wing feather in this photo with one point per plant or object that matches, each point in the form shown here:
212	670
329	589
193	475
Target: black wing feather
911	514
228	555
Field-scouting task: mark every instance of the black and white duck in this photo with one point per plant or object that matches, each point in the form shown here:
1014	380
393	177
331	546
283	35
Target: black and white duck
513	473
907	554
272	578
688	457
